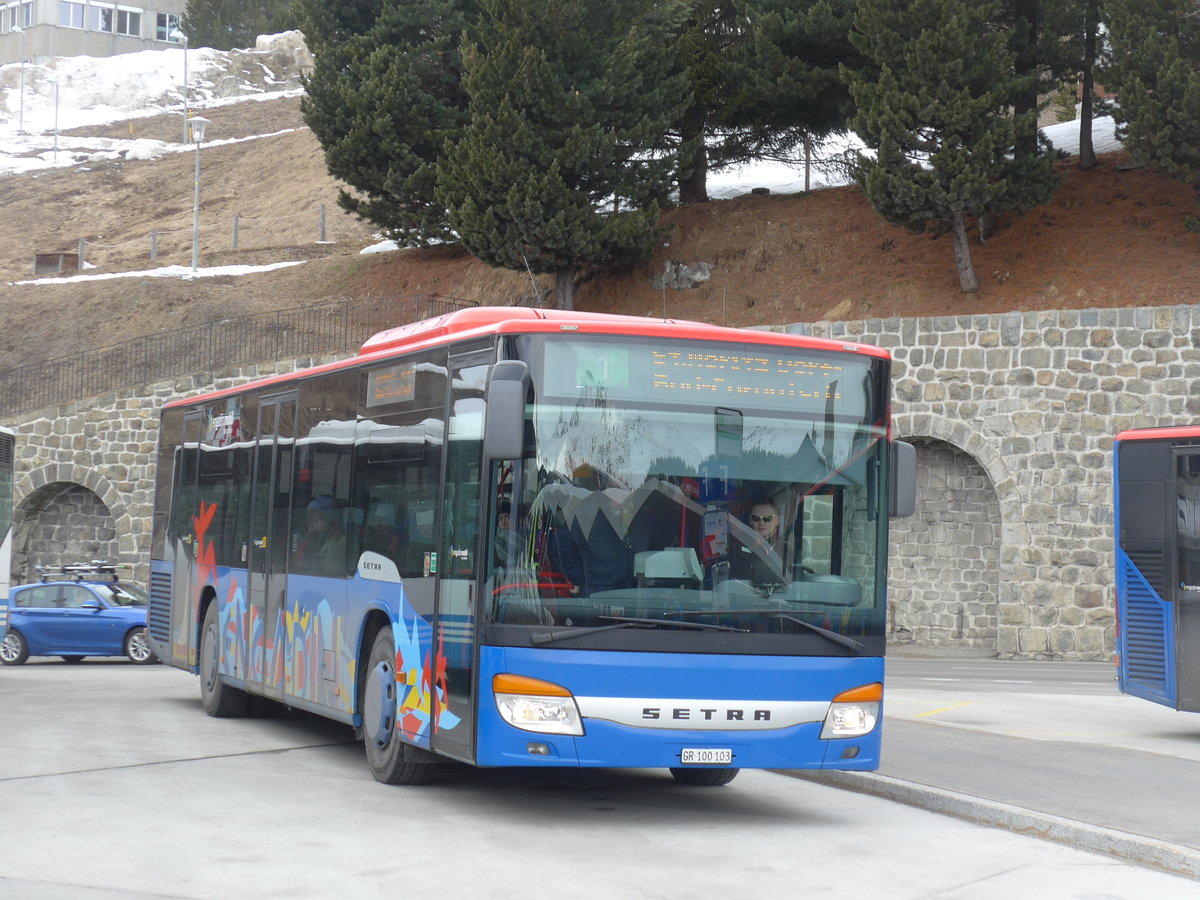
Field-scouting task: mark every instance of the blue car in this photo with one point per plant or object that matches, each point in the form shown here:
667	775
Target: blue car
74	612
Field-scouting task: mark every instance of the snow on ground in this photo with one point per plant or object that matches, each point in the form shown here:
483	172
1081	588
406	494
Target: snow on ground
183	272
95	91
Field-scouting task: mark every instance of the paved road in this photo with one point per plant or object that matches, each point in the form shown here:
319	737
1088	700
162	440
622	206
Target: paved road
1043	742
114	784
989	675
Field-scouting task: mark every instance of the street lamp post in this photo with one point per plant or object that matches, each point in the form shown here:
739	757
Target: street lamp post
56	120
21	115
178	35
198	125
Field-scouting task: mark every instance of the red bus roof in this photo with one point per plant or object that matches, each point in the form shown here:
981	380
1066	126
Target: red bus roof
1160	434
483	320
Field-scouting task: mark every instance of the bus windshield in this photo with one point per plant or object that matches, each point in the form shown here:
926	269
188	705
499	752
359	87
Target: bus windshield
710	490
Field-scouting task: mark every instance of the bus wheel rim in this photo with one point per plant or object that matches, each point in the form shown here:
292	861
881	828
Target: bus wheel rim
379	704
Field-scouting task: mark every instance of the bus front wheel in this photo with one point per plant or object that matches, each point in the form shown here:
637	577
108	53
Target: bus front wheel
220	700
386	753
704	777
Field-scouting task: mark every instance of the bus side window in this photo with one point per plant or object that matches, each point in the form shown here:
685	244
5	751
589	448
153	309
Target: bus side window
402	460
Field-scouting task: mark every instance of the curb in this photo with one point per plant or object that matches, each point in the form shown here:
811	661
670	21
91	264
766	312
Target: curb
1134	848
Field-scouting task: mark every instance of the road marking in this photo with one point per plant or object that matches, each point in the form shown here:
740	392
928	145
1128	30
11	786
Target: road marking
941	679
1009	681
942	709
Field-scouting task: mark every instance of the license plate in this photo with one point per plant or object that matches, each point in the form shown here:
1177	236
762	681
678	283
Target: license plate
706	756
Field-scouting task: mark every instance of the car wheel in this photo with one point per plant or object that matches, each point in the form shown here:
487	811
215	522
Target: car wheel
220	700
73	660
386	754
137	648
13	649
704	777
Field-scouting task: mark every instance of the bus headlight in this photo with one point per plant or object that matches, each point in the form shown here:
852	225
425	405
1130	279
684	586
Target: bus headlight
535	705
853	713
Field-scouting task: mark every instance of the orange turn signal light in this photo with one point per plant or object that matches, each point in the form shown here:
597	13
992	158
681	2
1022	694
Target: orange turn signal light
864	694
508	683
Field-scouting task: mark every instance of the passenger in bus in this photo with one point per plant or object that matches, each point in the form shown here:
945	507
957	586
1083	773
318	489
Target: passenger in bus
583	542
595	556
505	549
323	547
760	558
382	535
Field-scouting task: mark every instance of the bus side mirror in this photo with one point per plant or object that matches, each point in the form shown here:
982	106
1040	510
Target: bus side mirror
504	410
903	493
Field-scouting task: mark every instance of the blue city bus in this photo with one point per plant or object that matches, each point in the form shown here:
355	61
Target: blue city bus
518	537
1157	523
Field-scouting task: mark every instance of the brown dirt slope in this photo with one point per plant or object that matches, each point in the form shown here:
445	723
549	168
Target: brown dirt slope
1111	237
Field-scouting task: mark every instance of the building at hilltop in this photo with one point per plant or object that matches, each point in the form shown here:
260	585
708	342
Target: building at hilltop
37	30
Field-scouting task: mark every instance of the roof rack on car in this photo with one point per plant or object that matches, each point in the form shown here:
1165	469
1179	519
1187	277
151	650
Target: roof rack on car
82	571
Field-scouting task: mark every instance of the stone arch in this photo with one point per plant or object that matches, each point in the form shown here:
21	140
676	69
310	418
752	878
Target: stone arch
68	513
944	581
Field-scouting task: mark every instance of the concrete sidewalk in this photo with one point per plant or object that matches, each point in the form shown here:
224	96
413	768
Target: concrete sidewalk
1112	774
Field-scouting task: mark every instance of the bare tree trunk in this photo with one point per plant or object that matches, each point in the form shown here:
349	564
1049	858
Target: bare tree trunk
564	289
1026	142
962	256
693	188
1087	152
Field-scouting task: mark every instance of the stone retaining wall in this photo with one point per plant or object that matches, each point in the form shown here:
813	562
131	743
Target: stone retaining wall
1013	416
1033	401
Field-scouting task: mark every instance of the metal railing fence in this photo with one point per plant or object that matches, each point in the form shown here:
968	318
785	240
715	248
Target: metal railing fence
332	327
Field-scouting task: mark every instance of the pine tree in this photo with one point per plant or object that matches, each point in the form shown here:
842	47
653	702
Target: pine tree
230	24
764	77
384	102
786	86
1045	38
1089	62
566	158
935	107
333	22
1156	70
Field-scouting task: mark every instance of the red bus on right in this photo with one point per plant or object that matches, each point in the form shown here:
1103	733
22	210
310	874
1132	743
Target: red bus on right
1156	486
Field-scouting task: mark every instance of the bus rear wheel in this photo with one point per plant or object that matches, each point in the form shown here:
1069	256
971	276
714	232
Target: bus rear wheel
386	753
704	777
220	700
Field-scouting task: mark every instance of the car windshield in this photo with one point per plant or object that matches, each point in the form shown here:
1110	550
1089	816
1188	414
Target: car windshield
122	594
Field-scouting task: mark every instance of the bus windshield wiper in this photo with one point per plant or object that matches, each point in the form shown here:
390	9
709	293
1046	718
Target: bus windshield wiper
674	623
546	637
841	639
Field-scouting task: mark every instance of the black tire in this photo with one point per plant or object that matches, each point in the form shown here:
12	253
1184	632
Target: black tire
73	660
387	756
13	649
138	649
219	699
705	777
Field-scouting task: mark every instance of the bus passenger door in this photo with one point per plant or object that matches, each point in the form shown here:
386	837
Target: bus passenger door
266	565
181	542
1186	584
455	619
